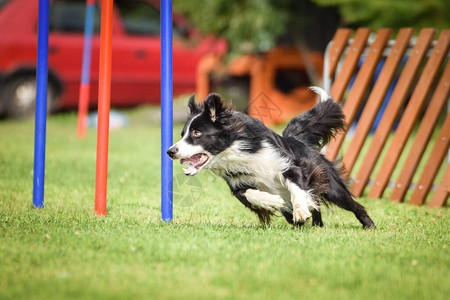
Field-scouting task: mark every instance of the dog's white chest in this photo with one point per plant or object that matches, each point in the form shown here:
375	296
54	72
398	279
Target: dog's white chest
262	170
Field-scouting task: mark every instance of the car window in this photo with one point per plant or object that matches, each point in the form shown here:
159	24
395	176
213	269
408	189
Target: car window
3	2
69	16
140	17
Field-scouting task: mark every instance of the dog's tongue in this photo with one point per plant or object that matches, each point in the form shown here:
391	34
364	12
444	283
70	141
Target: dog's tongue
193	163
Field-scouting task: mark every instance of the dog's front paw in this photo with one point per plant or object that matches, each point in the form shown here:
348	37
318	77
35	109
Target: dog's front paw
300	215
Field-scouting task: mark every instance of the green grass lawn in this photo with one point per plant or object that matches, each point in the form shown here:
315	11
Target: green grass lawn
214	248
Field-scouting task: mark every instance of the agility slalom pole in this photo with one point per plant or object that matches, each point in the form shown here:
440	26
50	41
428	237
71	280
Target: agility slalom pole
104	91
83	100
41	105
166	111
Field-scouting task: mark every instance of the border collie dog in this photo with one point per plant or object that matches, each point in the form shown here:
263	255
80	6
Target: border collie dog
267	172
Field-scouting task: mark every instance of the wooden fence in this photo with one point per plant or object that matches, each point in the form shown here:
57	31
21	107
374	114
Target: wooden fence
407	79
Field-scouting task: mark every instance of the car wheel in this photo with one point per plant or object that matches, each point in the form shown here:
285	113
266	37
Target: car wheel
20	97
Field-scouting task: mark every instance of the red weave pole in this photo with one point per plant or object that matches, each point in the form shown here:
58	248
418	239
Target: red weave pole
104	90
83	107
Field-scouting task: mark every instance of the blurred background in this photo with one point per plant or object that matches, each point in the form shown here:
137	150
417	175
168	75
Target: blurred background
244	49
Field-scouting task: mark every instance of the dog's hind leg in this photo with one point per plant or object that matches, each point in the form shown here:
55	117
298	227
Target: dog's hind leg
317	218
338	194
287	214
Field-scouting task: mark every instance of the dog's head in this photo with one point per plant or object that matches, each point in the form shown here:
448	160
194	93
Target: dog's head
206	133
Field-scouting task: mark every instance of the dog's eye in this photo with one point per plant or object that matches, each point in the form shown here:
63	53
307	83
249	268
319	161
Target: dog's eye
196	133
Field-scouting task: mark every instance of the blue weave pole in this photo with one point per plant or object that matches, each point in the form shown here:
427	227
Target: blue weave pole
83	97
88	30
41	105
166	111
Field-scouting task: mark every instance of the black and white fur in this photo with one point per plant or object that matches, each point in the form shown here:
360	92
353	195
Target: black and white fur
269	173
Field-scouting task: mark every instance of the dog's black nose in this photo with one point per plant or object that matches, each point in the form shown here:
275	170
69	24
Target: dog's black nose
171	152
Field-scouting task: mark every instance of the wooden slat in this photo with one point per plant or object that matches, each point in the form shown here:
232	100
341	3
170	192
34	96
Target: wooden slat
349	64
393	108
440	197
422	138
376	98
437	155
359	88
411	114
338	45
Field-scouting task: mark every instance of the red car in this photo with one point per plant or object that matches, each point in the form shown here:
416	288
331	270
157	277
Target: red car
135	54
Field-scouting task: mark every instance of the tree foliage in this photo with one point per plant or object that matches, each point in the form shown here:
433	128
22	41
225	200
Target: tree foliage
249	25
255	25
393	14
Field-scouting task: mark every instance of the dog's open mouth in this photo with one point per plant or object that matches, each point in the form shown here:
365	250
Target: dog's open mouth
194	163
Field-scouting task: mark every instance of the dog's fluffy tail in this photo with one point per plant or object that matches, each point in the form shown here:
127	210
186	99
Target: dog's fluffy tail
318	125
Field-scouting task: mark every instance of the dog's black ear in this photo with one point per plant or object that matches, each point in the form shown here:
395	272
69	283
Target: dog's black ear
214	106
194	108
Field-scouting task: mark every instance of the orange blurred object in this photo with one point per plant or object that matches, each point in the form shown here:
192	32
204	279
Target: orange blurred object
266	101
